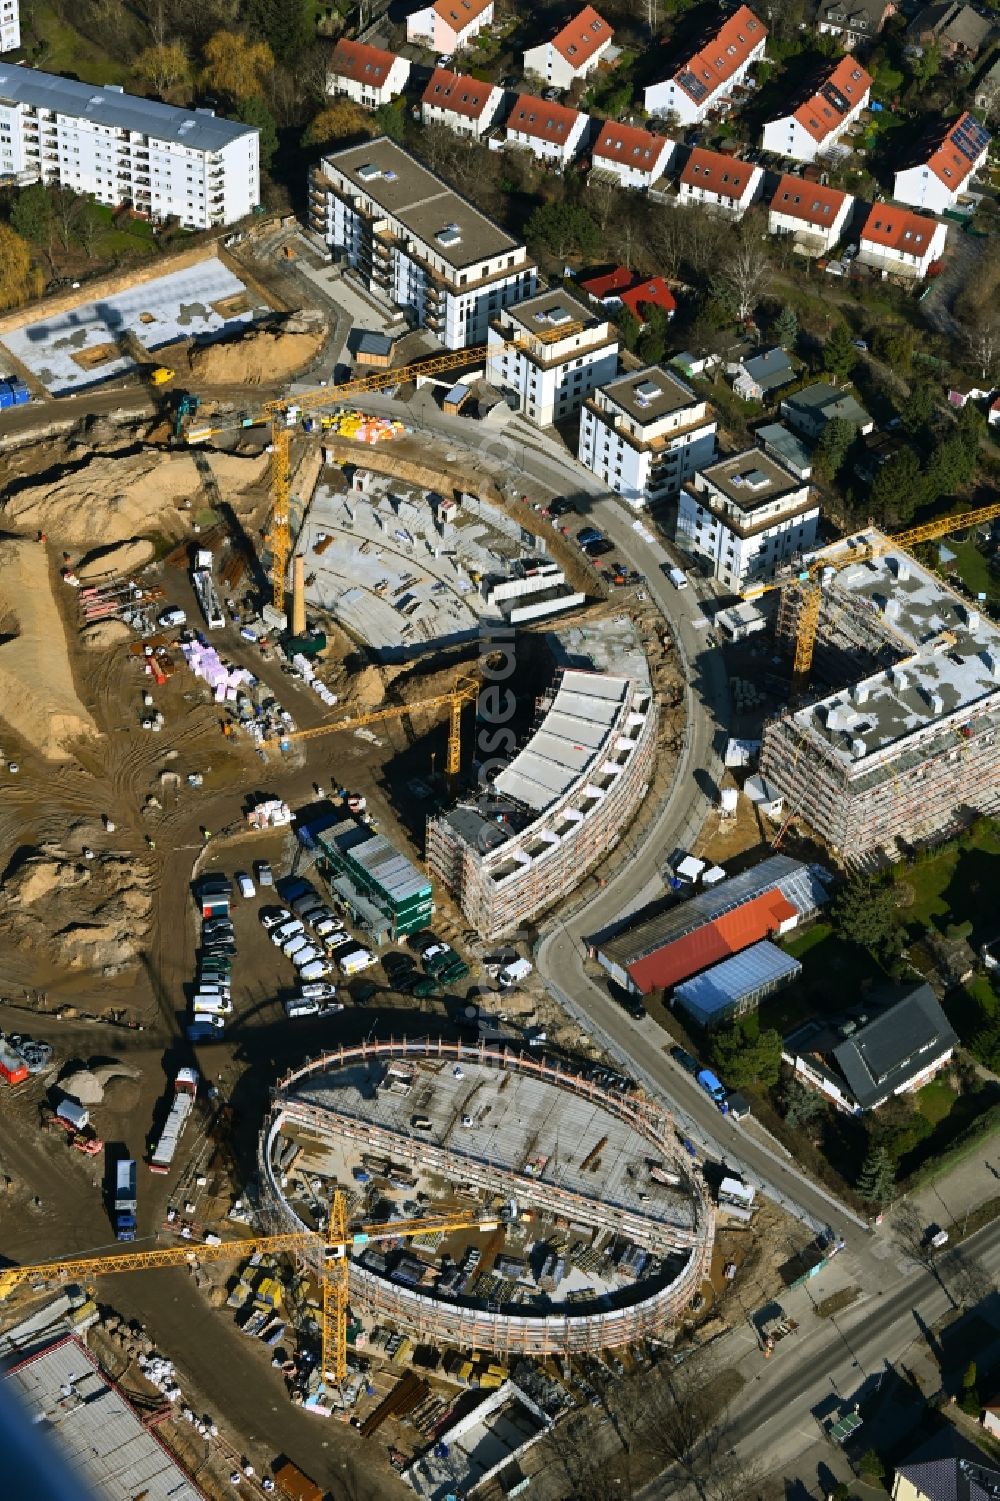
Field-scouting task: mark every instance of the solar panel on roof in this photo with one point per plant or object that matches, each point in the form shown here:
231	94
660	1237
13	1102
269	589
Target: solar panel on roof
692	85
971	138
833	96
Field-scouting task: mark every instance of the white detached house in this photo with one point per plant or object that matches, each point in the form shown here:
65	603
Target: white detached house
634	156
552	132
814	125
366	74
723	183
900	243
574	51
462	104
814	215
448	25
942	168
707	79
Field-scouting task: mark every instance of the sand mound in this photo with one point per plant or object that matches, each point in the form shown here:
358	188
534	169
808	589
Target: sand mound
121	1095
118	496
83	1086
104	634
105	1072
37	695
123	557
265	353
367	689
91	914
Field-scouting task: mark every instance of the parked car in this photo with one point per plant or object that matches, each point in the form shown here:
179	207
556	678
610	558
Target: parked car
247	887
265	876
320	990
273	917
301	1006
600	548
169	618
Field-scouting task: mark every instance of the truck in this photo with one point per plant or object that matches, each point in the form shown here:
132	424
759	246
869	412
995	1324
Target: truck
185	1092
512	974
713	1087
125	1199
204	587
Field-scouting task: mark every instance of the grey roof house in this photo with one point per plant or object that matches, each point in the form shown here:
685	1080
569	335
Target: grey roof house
898	1051
855	21
809	410
946	1467
756	378
951	26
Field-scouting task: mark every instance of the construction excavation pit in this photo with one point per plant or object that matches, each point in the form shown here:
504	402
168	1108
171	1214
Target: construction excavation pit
560	1217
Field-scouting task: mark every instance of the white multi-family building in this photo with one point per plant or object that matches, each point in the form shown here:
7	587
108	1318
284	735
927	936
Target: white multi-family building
634	156
163	162
706	80
563	351
814	125
942	167
416	243
10	25
368	75
814	215
574	51
465	105
448	25
900	243
723	183
645	433
552	132
745	515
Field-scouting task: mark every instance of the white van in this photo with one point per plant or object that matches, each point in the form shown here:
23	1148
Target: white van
677	578
201	1018
301	1007
215	1005
316	970
354	961
294	944
306	955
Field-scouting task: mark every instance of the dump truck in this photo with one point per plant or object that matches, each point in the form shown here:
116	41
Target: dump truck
125	1201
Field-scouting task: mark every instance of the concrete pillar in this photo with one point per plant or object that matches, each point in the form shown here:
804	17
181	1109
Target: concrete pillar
298	595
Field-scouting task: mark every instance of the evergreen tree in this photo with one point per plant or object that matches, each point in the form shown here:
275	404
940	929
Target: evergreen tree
877	1177
284	24
864	913
254	111
834	442
969	1400
871	1466
839	354
786	327
896	489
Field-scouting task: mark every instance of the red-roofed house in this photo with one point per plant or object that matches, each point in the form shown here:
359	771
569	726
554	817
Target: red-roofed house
722	182
634	156
814	215
366	74
653	291
607	288
463	104
899	243
993	415
448	24
815	124
707	79
943	167
729	934
553	132
573	52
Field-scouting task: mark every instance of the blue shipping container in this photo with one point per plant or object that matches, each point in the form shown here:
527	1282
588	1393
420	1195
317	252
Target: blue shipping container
21	393
6	397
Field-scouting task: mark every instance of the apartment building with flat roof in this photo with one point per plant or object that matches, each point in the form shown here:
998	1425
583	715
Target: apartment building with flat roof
646	433
416	243
10	25
546	371
119	149
746	515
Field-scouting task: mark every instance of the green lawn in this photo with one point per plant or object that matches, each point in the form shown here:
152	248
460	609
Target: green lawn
935	1101
834	976
974	571
955	886
67	50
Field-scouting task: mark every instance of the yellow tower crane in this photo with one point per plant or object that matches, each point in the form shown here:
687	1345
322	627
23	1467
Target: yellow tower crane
465	690
335	1249
836	557
277	413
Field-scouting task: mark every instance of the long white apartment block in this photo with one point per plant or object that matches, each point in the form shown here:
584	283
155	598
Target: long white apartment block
414	242
548	354
645	433
746	515
10	25
124	150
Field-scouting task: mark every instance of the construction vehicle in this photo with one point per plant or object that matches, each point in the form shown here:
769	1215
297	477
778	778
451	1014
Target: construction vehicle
187	405
831	559
333	1251
160	376
465	690
125	1200
284	413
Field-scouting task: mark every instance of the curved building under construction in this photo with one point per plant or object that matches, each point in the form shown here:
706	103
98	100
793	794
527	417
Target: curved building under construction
584	1229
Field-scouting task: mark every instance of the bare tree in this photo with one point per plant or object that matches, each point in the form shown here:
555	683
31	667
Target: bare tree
604	200
983	342
743	275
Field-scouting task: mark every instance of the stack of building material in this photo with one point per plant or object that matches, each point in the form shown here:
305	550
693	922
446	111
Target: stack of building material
205	662
270	813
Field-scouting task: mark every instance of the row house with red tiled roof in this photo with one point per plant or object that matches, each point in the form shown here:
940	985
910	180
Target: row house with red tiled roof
815	124
814	215
462	104
943	165
448	25
716	181
368	75
552	132
706	79
898	242
635	157
574	51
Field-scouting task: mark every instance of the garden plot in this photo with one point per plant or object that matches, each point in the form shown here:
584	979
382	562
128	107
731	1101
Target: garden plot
86	344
